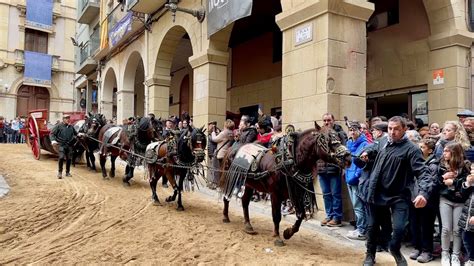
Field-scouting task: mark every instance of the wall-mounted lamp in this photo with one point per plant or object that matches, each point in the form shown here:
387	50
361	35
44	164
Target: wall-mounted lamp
173	7
7	87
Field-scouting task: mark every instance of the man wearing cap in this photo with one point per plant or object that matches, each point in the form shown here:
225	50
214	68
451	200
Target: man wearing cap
379	130
62	136
464	114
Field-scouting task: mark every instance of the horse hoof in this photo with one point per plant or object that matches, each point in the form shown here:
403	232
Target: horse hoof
279	243
156	203
249	230
126	184
112	174
226	220
287	233
169	199
180	208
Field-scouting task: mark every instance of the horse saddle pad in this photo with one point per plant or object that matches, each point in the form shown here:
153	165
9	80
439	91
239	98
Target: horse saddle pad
150	154
248	156
110	132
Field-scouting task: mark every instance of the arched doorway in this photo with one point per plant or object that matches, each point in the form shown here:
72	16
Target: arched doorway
108	99
31	98
134	76
256	62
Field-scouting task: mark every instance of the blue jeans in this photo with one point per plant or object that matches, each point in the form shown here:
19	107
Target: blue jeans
331	188
359	209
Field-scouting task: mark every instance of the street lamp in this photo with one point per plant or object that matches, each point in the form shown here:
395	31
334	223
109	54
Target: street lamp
173	7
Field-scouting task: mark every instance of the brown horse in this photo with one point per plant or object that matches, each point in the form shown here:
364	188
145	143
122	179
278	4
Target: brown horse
190	152
285	174
116	143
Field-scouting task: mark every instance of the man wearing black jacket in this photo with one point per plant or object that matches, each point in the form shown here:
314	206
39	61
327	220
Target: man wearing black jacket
63	135
330	180
396	160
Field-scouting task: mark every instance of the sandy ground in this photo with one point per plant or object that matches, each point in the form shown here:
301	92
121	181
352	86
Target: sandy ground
85	219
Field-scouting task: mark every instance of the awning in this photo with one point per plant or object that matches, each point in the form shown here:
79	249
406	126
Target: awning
221	13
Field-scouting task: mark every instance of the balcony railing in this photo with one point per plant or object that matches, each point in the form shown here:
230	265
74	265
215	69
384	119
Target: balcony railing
145	6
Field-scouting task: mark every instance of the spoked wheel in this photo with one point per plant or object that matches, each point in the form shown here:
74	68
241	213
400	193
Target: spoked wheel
33	137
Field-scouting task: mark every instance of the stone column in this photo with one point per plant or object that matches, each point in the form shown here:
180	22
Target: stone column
450	53
125	105
209	87
324	66
324	60
158	88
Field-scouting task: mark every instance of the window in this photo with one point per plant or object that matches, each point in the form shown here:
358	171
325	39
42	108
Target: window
386	14
36	41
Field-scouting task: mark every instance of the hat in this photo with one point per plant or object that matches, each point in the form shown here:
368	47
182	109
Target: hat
66	116
212	122
354	125
466	113
382	126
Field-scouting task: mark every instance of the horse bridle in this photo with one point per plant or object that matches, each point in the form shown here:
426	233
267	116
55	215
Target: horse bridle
197	152
324	144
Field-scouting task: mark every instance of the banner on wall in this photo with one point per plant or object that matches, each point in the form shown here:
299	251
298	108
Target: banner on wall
120	29
38	68
221	13
39	14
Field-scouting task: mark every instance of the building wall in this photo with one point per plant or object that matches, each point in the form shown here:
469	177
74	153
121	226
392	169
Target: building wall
397	56
59	44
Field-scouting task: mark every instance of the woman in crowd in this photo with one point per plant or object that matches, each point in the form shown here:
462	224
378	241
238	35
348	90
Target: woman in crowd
224	140
452	172
453	131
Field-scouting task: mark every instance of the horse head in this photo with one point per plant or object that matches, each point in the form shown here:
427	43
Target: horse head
145	130
92	124
329	147
193	143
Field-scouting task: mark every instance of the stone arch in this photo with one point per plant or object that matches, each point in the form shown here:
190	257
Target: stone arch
110	82
169	36
443	14
17	83
133	64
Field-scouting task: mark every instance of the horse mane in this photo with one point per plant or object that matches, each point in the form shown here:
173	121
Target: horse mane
305	146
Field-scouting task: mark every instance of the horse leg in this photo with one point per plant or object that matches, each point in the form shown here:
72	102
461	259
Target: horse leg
245	206
170	176
154	196
290	231
182	176
276	215
92	161
112	165
128	174
102	165
225	212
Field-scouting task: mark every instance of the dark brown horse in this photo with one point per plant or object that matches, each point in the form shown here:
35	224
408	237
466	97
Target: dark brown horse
190	152
285	172
88	139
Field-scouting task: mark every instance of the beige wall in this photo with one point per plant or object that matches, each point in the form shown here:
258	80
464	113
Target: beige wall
397	56
264	92
59	44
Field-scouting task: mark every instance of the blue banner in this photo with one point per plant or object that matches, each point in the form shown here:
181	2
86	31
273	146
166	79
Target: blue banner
39	13
38	68
121	28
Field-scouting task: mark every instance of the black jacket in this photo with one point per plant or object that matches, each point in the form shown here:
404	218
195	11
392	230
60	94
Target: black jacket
467	210
64	134
454	193
329	168
392	176
248	135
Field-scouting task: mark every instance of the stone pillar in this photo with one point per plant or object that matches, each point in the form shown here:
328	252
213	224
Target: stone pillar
158	88
324	66
324	60
209	87
125	104
450	53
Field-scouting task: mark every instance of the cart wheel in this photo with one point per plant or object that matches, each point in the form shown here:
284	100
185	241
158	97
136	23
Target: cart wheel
33	137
